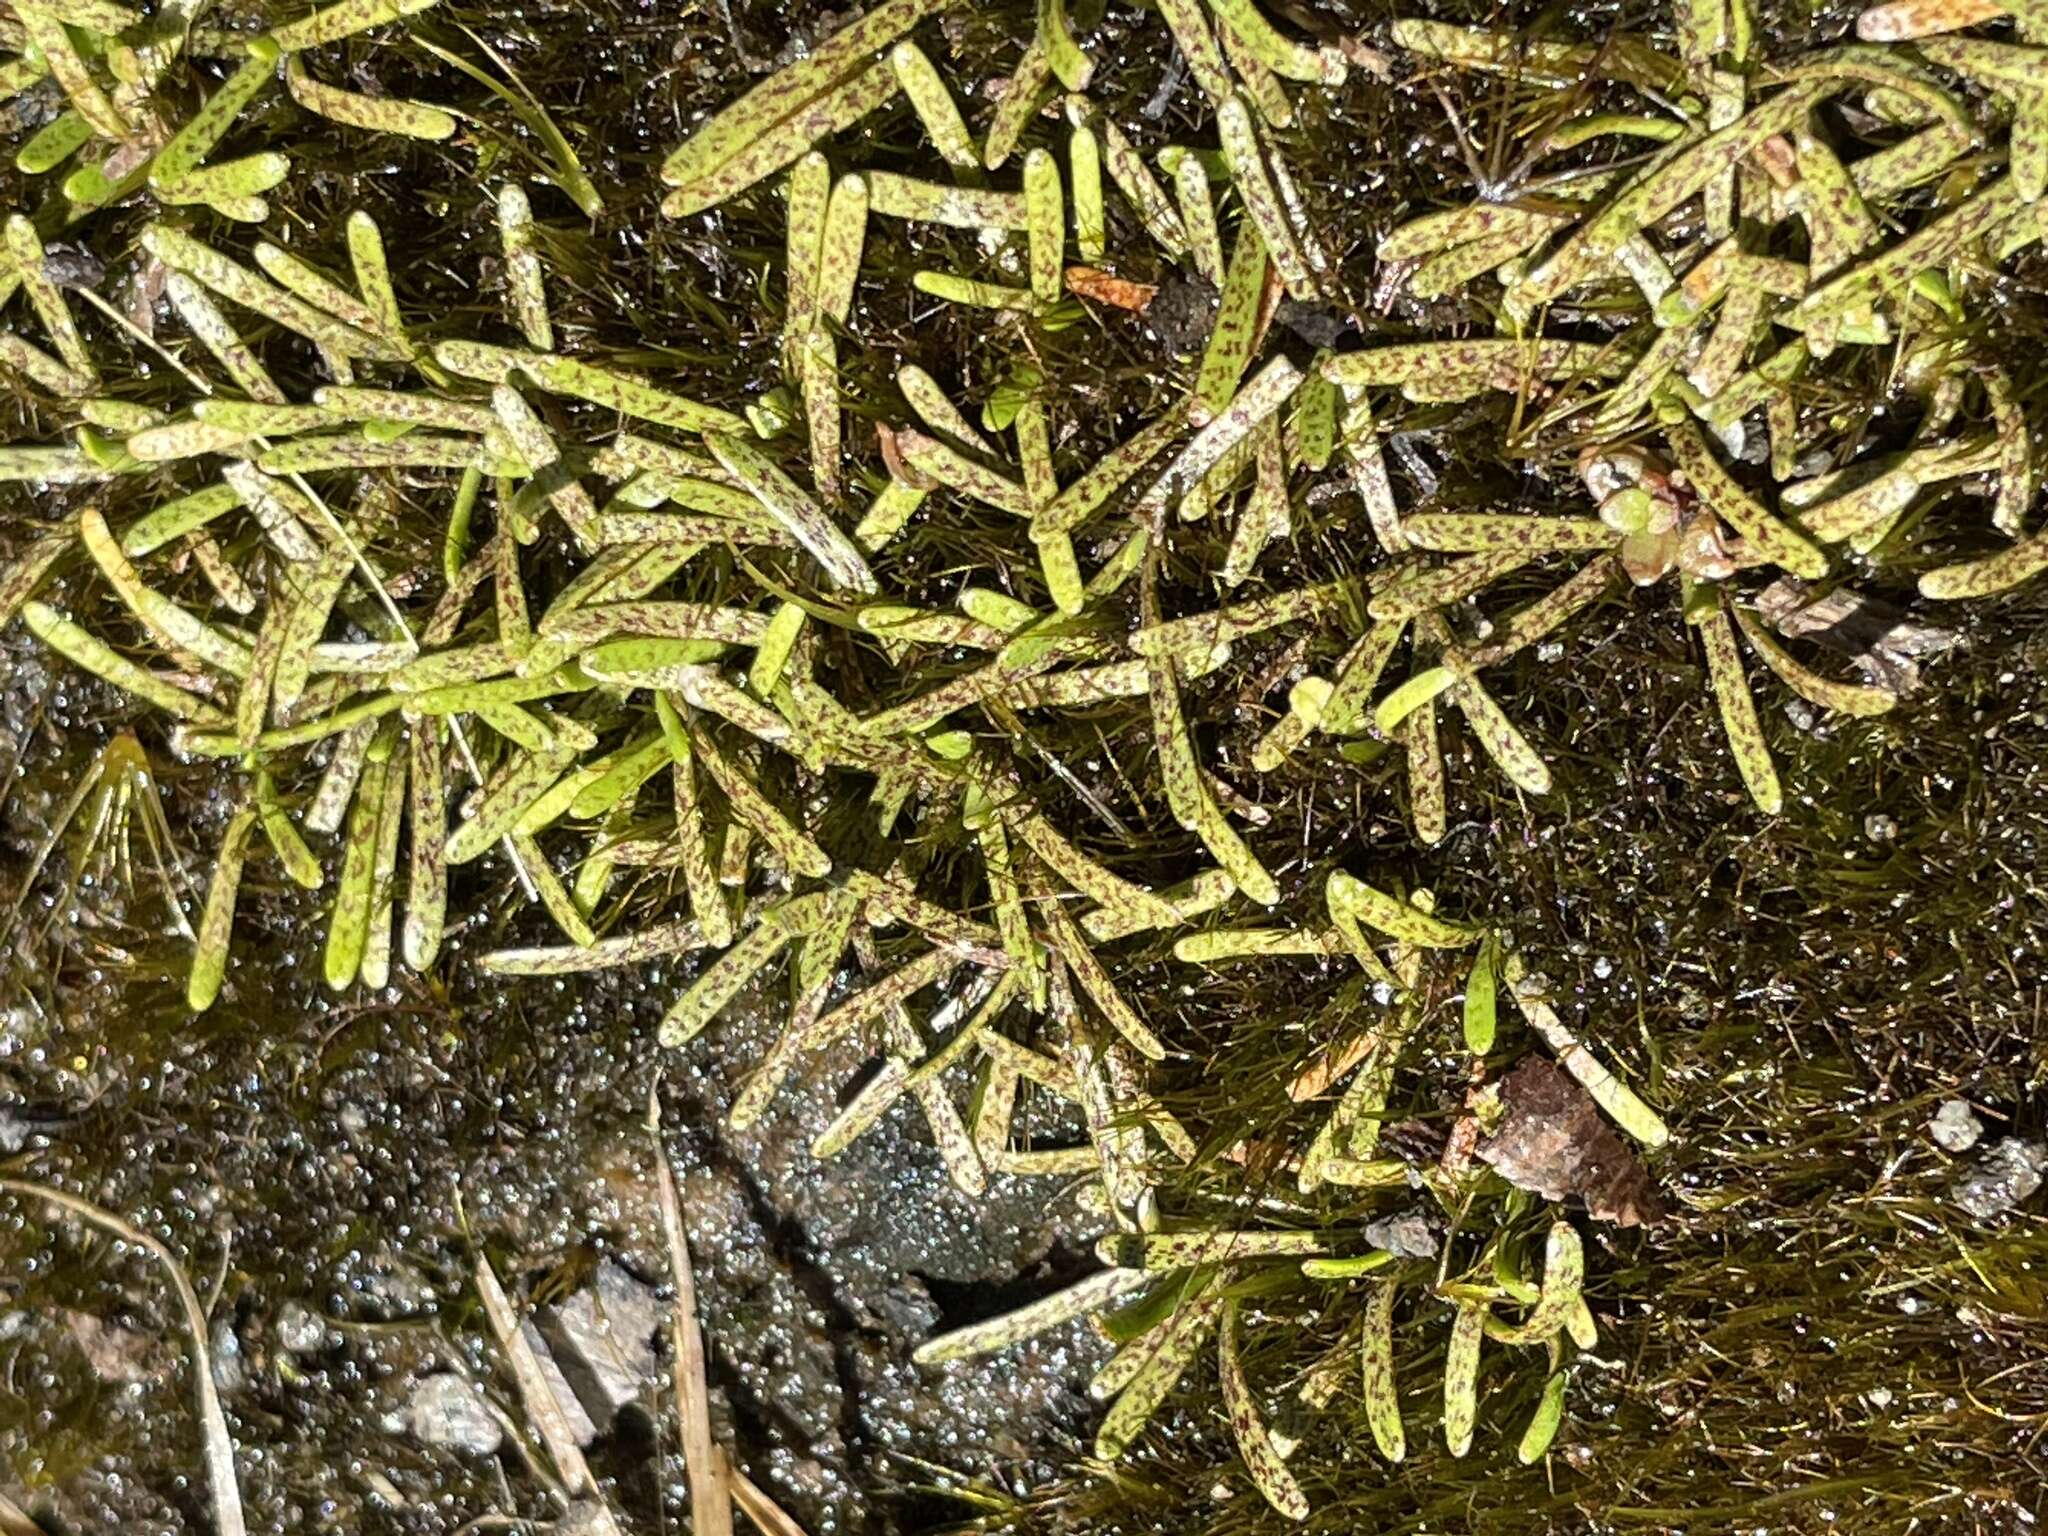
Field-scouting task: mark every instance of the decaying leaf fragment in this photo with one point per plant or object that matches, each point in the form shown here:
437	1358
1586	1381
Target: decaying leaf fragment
1107	288
1553	1142
1879	640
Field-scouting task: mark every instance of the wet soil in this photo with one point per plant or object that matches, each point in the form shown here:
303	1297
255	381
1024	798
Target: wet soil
354	1156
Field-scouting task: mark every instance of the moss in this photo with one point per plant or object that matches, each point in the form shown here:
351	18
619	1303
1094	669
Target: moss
1818	1337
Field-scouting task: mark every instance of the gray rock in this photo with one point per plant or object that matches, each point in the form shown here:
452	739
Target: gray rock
116	1354
300	1330
388	1287
73	266
1955	1127
1317	324
908	1309
605	1341
1182	314
1406	1236
2005	1175
21	1123
447	1411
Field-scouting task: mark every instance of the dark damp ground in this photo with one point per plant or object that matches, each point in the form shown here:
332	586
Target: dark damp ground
1820	1340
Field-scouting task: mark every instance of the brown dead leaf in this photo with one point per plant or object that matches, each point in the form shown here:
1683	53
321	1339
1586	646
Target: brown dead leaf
1882	643
1107	288
1553	1142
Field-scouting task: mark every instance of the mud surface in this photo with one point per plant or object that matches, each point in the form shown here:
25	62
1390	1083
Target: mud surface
329	1173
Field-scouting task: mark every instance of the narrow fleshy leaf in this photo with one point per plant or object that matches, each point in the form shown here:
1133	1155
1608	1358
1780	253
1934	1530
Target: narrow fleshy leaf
768	133
1376	1350
1738	705
934	105
793	509
216	924
774	101
1461	1376
1248	1426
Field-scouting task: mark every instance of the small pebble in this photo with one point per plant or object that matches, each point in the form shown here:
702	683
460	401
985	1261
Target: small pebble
300	1330
224	1352
73	266
2004	1176
1406	1236
607	1329
1955	1127
1880	828
446	1410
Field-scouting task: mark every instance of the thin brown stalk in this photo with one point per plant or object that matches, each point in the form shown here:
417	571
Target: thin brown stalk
710	1496
542	1410
219	1448
769	1516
